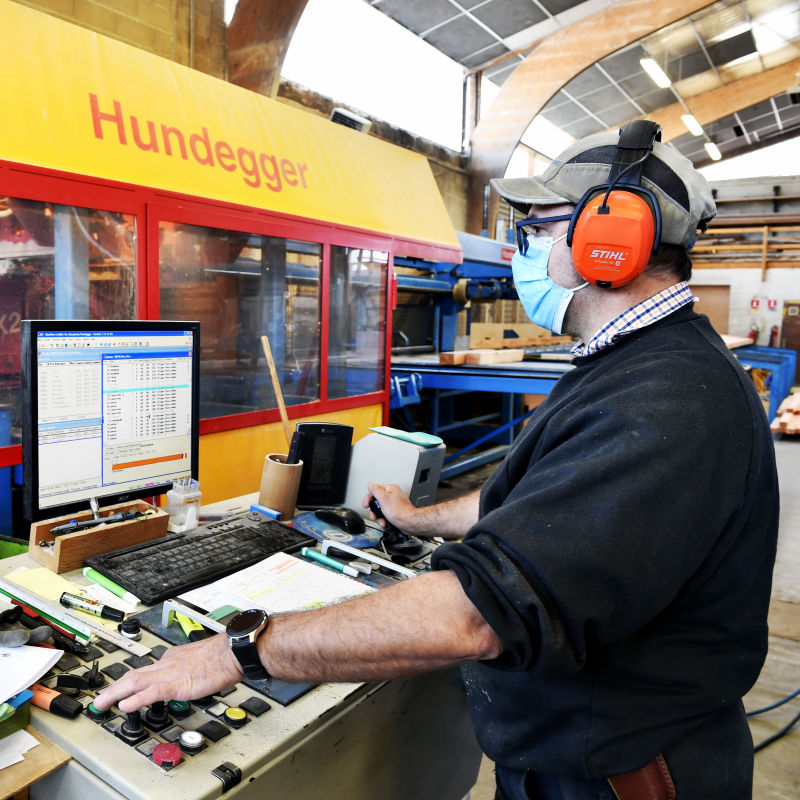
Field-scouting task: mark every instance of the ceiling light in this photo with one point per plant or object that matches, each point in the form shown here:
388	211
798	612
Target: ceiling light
655	72
692	124
713	151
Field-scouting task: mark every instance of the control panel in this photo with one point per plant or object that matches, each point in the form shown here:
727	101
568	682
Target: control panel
354	741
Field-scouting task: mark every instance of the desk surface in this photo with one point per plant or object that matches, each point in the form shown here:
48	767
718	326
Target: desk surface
338	740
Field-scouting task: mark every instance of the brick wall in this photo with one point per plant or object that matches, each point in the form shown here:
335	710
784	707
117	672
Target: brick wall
167	28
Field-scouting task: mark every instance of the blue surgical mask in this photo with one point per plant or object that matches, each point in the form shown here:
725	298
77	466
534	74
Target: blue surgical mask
544	301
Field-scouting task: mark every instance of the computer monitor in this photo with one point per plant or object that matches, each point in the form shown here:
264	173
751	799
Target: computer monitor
110	411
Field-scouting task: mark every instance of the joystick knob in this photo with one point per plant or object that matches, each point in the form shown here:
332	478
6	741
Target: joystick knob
156	716
132	731
94	678
133	723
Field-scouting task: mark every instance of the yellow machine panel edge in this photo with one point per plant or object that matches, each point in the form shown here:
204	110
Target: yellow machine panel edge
79	102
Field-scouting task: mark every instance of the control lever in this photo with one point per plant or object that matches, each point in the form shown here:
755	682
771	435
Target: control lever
394	540
132	731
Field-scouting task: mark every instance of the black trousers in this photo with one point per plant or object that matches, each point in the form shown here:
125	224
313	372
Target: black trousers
714	761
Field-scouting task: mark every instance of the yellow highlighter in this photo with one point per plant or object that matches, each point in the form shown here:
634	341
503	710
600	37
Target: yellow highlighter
194	630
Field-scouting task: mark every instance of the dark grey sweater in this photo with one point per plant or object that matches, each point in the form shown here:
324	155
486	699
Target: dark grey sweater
624	556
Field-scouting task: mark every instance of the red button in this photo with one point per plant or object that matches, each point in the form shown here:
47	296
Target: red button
166	754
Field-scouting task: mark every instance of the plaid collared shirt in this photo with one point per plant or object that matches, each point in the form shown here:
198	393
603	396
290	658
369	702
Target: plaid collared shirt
638	316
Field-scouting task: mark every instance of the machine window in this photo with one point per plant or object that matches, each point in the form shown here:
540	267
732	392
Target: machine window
241	286
58	262
356	343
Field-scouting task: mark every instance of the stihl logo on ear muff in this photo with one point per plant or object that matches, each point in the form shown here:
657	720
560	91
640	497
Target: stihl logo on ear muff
616	226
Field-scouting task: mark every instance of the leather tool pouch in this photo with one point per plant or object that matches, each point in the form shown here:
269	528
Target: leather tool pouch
650	782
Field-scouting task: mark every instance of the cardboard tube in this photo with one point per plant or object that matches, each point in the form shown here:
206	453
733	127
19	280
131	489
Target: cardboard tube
279	484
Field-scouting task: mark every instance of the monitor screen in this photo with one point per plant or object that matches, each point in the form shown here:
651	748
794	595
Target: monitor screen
110	411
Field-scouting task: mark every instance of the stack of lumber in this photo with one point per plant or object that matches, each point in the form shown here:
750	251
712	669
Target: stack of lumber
481	356
787	420
494	336
524	341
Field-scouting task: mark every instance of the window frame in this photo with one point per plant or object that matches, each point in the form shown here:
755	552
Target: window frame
150	206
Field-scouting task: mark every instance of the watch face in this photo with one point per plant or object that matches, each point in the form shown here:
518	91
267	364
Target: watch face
245	622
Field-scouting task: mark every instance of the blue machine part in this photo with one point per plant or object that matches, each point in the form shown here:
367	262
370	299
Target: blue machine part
404	390
781	362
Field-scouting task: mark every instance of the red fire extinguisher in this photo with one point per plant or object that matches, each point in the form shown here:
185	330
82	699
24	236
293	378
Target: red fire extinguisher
773	336
753	333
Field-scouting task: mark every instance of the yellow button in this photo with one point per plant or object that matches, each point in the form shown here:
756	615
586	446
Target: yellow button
235	716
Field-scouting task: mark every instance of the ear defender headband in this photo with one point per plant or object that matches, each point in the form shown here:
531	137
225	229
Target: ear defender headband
616	226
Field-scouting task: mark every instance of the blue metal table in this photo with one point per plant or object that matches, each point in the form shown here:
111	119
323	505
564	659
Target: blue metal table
512	380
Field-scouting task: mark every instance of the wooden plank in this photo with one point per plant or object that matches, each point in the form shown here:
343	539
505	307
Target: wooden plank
494	356
38	762
732	342
527	341
451	357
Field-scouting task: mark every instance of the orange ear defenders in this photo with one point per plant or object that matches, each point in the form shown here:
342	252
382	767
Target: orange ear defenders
616	226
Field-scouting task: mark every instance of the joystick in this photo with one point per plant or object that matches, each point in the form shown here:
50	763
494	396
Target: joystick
156	716
394	540
132	731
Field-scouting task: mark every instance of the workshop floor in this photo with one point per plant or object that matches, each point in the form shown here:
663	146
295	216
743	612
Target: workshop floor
777	767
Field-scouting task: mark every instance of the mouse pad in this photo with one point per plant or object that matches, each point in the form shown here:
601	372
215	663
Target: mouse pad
309	523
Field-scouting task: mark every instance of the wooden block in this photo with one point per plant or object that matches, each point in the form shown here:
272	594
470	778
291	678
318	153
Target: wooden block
494	356
72	549
732	342
453	357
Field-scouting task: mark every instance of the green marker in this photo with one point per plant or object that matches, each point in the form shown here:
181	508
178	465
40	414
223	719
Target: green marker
315	555
107	583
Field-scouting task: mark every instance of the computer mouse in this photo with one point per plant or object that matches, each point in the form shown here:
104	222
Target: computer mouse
343	518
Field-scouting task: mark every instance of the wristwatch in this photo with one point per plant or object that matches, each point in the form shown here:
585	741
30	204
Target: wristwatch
242	631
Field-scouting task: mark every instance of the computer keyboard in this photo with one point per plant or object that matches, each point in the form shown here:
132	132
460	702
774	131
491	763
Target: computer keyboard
166	567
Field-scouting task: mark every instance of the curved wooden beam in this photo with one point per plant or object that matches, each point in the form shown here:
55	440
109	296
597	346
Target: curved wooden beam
708	107
258	38
549	67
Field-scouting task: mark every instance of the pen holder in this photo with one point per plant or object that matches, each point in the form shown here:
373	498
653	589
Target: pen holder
279	484
71	549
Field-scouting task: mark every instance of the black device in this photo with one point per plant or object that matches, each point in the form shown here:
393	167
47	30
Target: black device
345	519
399	545
110	411
242	631
324	448
166	567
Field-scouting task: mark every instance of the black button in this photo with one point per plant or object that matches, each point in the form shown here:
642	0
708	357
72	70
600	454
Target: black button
109	647
255	705
67	662
134	662
158	651
114	671
92	654
213	730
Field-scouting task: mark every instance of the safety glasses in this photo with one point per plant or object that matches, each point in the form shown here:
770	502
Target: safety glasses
522	234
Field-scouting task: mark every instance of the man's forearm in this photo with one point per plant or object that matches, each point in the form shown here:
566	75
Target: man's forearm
422	624
450	519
